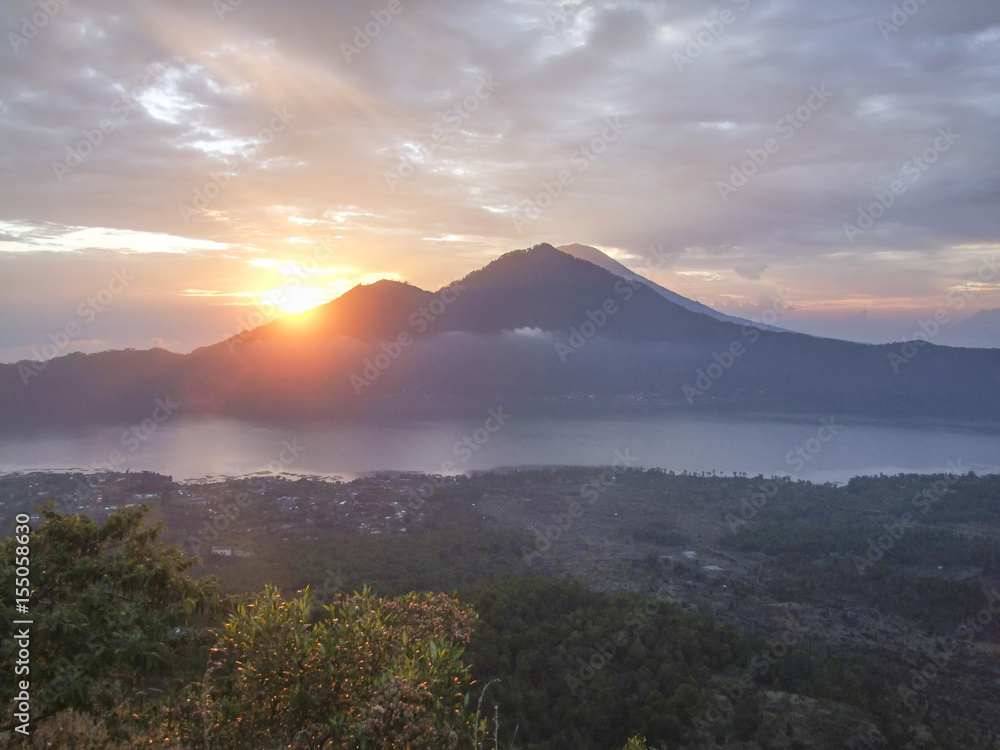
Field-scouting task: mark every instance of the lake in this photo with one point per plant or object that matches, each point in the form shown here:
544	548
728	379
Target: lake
812	450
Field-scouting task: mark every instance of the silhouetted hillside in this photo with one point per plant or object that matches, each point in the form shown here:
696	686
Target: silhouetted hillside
600	259
551	290
368	312
536	325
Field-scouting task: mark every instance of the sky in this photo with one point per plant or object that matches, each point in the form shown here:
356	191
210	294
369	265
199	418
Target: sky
170	168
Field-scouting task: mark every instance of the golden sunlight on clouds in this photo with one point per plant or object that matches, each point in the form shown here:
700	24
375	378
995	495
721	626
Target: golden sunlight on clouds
229	153
305	287
297	298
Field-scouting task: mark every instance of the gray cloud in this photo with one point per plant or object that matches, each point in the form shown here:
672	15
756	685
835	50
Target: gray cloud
562	69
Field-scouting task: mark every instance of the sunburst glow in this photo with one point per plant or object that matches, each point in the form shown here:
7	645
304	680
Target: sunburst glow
297	299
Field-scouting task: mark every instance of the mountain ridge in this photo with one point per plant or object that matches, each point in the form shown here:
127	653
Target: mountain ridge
537	325
605	261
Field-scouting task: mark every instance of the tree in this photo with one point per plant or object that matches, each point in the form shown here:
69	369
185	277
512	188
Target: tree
110	607
361	672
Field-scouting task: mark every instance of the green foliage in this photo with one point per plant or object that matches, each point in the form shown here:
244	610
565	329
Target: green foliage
363	672
124	636
420	560
636	743
112	611
661	533
817	560
587	671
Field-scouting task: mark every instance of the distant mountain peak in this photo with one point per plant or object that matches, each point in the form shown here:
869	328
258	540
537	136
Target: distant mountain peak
603	260
529	266
385	285
595	330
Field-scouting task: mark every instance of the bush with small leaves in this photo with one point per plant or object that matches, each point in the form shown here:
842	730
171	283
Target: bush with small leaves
362	672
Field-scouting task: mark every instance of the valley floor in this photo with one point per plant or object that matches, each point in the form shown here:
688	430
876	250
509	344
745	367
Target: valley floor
870	612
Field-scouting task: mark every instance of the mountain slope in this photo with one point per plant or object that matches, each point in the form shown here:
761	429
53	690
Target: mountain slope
545	288
979	330
605	261
536	326
368	312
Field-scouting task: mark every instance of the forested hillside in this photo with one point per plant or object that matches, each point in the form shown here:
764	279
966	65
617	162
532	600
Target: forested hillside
563	608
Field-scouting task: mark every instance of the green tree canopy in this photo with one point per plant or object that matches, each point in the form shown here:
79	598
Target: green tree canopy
110	607
363	672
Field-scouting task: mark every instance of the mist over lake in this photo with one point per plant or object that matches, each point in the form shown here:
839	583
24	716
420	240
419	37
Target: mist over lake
817	451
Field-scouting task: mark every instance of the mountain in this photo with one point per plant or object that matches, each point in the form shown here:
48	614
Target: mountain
550	290
536	326
368	312
605	261
979	330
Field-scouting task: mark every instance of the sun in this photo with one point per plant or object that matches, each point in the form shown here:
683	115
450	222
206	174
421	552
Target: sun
293	300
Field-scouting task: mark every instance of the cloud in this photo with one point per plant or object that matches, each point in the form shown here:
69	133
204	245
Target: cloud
200	130
751	271
529	332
